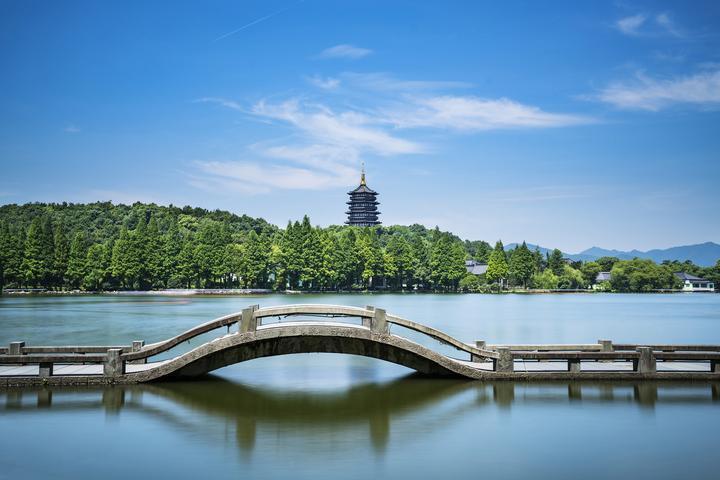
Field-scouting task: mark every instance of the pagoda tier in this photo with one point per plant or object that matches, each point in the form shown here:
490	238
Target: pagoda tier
362	209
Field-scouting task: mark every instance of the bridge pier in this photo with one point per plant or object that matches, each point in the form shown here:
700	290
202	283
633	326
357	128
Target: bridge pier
46	370
573	365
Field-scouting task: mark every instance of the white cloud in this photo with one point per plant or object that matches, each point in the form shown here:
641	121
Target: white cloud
473	113
256	177
328	83
646	93
223	102
327	142
667	24
345	51
71	129
648	25
347	129
380	81
631	25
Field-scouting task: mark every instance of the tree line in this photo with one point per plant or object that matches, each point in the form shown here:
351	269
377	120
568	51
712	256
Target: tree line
101	246
522	268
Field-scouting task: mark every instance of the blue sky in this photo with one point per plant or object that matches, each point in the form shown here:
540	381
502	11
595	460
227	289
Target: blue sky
568	124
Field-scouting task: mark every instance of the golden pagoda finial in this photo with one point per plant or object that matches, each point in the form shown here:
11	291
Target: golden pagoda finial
362	175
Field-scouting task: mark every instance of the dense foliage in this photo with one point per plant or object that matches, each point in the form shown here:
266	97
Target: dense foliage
101	246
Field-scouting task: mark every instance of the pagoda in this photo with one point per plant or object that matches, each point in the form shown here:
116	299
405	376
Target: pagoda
362	210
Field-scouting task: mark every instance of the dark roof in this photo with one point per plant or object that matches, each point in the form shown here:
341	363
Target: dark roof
687	276
363	189
603	277
475	268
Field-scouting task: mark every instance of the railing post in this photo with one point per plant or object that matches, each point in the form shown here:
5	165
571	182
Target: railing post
114	365
479	344
367	321
573	364
646	363
137	345
248	321
607	346
46	370
715	366
505	363
379	321
16	348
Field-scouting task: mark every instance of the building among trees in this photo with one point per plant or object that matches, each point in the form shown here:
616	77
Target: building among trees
693	283
362	207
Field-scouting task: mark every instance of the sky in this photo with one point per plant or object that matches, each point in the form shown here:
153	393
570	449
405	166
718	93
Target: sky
564	124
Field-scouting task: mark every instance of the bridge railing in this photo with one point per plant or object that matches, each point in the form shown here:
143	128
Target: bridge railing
503	356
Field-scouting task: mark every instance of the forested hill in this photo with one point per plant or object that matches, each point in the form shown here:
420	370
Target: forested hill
101	246
103	220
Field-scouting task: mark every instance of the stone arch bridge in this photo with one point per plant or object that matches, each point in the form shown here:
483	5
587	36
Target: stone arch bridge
248	337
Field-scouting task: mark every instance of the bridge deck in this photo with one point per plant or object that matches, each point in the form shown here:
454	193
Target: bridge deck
519	366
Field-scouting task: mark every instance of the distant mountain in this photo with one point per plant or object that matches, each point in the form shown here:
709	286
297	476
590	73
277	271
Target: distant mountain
703	254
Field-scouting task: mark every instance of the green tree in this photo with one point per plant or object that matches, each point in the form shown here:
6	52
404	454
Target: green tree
497	264
37	265
607	263
641	275
370	255
447	262
545	280
77	260
522	265
590	271
97	266
556	263
60	255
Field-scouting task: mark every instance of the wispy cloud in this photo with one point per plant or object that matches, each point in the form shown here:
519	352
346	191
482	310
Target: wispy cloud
646	93
473	113
348	128
345	51
643	24
325	83
256	177
381	81
369	115
71	129
255	22
631	25
223	102
665	22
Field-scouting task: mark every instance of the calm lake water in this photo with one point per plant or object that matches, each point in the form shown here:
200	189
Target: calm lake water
320	416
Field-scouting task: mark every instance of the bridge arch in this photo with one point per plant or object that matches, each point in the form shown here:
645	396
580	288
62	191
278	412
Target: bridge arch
283	339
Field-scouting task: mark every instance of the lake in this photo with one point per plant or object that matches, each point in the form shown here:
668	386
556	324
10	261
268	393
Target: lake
334	416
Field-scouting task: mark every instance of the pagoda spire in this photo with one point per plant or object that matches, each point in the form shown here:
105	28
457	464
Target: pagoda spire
362	175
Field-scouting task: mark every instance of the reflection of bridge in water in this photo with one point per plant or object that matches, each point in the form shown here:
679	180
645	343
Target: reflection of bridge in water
377	335
369	411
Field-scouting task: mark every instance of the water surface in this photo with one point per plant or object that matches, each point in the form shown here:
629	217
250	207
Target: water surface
337	416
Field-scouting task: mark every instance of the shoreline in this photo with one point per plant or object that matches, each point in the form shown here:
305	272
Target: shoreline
229	292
